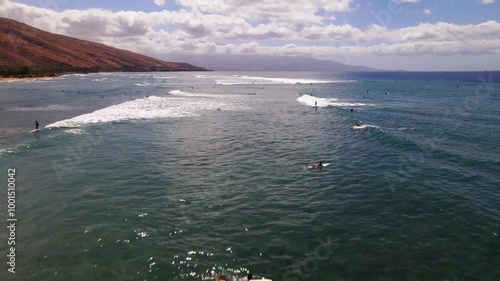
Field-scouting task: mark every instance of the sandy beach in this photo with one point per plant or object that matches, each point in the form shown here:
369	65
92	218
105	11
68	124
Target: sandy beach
15	79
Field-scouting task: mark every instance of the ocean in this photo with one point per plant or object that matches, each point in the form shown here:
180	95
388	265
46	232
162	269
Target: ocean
181	176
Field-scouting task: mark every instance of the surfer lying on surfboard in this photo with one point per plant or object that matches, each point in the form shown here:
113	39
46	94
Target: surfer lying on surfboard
317	165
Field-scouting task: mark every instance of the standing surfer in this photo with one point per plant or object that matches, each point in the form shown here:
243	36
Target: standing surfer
36	125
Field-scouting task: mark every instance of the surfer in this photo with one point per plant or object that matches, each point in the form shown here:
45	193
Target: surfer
317	165
315	103
36	125
246	278
357	124
352	109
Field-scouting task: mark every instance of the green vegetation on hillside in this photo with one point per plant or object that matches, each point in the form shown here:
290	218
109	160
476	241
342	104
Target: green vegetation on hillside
26	71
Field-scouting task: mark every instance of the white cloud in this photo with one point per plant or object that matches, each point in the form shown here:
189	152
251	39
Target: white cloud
160	3
485	2
445	32
476	47
407	1
427	11
284	12
198	28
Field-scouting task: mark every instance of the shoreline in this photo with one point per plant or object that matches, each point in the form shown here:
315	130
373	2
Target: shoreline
15	79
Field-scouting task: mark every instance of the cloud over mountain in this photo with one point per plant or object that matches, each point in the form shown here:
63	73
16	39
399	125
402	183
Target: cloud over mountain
263	27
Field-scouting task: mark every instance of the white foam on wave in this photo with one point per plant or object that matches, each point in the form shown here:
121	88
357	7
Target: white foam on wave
163	77
147	108
288	80
12	150
188	94
76	131
205	76
323	102
72	75
226	83
4	151
245	80
364	126
104	79
312	101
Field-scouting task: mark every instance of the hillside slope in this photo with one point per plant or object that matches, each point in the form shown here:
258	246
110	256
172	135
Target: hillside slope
23	45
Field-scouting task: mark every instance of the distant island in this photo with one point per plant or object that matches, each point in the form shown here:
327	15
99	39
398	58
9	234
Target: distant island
252	62
26	51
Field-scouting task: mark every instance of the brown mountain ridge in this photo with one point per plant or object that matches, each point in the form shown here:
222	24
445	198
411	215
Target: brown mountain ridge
24	48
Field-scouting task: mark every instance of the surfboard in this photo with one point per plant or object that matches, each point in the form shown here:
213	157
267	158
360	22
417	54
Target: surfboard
313	167
359	127
35	131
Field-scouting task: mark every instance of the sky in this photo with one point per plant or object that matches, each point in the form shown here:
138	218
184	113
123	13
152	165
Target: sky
387	34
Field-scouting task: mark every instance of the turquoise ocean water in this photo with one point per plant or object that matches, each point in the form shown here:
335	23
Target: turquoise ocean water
140	176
